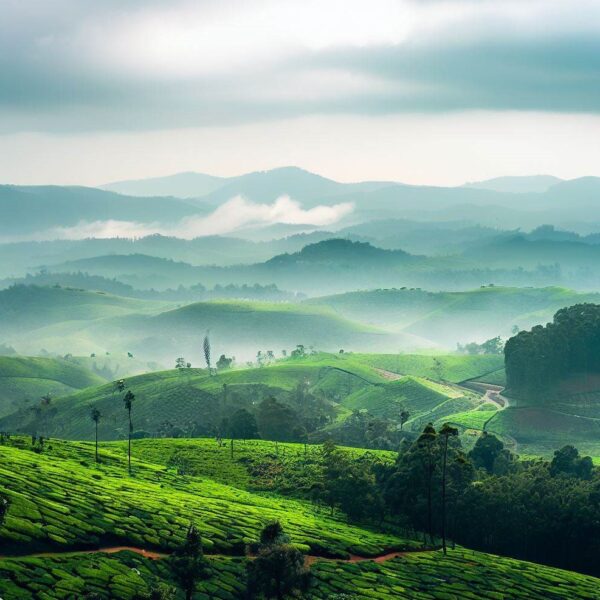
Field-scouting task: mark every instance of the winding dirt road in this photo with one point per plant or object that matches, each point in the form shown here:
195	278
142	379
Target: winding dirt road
153	555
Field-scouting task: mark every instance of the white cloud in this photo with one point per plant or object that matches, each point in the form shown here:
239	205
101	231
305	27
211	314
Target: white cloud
236	214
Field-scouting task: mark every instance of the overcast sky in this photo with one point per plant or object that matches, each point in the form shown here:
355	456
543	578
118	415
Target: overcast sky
428	91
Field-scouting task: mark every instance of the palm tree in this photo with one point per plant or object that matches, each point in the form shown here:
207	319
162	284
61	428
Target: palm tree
445	432
95	415
128	400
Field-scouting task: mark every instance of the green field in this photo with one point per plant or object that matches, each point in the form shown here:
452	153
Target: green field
452	368
61	500
461	575
65	505
346	381
24	380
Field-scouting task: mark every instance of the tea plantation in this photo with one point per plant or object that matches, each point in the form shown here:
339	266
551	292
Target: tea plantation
61	499
64	507
462	575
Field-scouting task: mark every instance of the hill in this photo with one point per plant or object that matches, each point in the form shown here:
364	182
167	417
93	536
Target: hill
517	184
24	380
181	185
450	317
63	503
79	322
34	209
194	403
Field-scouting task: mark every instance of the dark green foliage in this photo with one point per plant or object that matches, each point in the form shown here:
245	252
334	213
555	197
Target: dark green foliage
567	461
224	362
242	425
530	514
95	415
487	451
273	534
349	484
428	480
188	564
537	360
278	569
278	422
4	505
492	346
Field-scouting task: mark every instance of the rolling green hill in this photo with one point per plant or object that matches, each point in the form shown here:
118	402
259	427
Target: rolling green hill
451	317
79	322
24	380
61	499
193	401
66	505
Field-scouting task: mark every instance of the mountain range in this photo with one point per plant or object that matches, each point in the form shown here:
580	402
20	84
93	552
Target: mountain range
47	212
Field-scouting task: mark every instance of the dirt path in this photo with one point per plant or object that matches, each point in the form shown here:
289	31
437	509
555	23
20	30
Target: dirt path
152	555
389	375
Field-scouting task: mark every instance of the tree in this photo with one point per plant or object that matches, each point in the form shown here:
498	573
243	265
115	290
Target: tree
426	443
485	452
128	401
180	363
242	425
445	432
95	415
188	563
277	421
404	416
4	506
206	346
567	461
278	569
224	362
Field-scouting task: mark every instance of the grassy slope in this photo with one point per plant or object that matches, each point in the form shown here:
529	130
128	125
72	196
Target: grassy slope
27	379
78	501
447	317
80	322
183	398
61	499
463	575
453	368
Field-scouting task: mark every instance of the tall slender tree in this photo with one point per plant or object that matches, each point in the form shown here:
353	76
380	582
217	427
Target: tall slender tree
128	401
96	415
206	346
426	444
188	563
445	432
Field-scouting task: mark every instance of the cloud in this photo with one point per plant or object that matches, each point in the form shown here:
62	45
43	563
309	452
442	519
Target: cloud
78	65
235	215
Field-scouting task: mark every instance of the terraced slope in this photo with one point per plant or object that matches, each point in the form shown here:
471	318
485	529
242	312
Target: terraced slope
461	575
24	380
424	399
191	398
63	503
61	500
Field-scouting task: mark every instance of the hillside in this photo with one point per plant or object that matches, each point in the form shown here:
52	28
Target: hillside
24	380
80	322
180	185
60	500
194	403
451	317
36	209
516	184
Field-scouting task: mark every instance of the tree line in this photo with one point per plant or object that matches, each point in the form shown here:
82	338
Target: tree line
537	360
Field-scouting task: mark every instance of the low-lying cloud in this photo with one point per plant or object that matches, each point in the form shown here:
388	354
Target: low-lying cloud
235	215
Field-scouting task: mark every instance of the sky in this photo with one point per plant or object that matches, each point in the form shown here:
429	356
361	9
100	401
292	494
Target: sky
419	91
